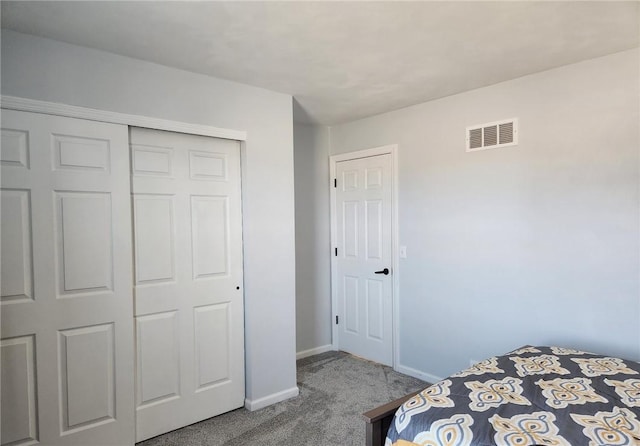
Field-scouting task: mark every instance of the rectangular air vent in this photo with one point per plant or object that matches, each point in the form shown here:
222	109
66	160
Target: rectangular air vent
492	135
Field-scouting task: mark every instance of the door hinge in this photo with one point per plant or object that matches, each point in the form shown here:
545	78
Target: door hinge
336	320
336	250
335	182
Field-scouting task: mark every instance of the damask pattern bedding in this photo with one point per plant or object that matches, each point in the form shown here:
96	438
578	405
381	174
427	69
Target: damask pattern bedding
548	396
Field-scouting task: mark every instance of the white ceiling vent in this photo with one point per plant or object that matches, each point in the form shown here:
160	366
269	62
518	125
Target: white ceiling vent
492	135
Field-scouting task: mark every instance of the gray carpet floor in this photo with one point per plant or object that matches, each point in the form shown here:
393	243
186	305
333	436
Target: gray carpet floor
335	389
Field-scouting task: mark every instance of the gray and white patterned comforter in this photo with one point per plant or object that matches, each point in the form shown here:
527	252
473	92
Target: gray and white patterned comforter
548	396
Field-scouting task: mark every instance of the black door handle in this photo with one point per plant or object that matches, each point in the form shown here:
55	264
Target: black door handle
384	271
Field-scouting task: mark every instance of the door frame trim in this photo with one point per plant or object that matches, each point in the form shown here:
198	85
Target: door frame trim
391	149
92	114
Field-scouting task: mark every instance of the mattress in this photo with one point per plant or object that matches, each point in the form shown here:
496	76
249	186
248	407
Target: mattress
550	396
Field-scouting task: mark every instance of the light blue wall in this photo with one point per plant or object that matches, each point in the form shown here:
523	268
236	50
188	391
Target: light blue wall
534	244
47	70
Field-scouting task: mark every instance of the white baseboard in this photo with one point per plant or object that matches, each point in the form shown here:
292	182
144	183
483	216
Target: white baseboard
428	377
268	400
314	351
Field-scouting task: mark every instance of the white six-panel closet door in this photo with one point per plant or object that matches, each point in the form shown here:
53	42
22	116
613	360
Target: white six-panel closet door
188	279
66	297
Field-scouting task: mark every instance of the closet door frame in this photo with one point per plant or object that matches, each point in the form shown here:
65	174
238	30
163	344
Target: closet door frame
92	114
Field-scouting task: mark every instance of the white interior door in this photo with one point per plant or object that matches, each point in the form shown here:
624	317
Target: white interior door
66	301
364	253
188	279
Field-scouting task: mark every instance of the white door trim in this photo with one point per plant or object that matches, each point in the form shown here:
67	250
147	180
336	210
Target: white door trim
92	114
333	160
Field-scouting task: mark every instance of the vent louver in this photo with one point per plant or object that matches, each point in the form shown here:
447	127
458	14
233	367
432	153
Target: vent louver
492	135
475	138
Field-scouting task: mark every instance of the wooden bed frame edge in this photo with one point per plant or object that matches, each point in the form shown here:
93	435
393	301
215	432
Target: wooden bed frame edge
379	419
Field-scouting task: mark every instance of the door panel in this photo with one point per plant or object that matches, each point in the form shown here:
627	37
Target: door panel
363	207
19	394
154	238
158	362
83	222
351	305
375	305
17	274
15	148
87	376
188	293
67	375
373	239
210	236
212	359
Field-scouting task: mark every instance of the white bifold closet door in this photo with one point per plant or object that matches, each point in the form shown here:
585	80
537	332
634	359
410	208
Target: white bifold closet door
188	279
66	296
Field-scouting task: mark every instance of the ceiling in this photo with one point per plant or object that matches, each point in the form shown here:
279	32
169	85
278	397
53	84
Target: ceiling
343	60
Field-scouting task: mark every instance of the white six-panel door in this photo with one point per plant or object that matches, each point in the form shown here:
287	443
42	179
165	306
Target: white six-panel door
364	244
188	279
66	297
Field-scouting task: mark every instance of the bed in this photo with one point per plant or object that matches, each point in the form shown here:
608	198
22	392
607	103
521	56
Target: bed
548	396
